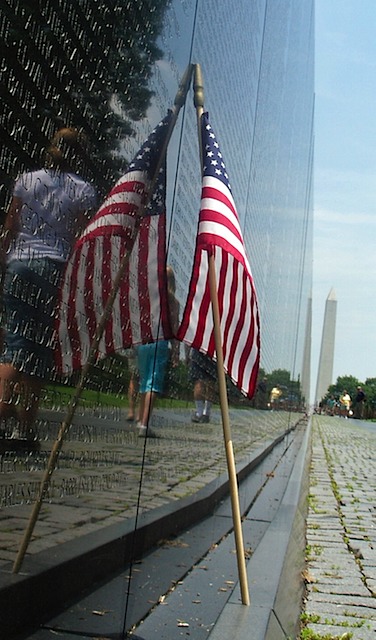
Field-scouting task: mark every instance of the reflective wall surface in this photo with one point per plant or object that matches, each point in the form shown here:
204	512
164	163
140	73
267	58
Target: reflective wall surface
111	69
257	64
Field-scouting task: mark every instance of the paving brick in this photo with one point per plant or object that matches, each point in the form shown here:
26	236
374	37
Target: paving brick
366	632
341	595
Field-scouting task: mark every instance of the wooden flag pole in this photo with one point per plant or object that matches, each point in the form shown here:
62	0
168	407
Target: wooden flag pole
178	103
199	104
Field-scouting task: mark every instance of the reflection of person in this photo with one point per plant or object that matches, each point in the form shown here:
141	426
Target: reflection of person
275	396
48	209
331	405
358	403
203	374
133	385
261	394
152	362
344	404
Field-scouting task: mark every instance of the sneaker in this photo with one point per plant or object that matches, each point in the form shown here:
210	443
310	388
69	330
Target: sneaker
204	419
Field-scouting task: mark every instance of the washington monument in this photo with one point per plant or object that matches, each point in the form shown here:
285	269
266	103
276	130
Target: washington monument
306	368
325	371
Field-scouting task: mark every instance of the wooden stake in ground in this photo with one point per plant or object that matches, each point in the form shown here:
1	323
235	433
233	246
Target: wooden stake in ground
199	104
179	102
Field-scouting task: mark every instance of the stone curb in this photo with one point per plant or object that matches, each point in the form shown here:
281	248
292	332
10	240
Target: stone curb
275	568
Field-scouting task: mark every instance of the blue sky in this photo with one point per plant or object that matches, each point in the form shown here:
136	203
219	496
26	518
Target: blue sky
345	183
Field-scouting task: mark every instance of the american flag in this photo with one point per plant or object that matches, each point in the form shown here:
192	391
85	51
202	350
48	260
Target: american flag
122	224
219	234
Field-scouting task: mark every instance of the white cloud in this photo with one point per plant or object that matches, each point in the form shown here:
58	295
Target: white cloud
327	218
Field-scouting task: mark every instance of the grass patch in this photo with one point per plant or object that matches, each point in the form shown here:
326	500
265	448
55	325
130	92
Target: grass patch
309	634
59	397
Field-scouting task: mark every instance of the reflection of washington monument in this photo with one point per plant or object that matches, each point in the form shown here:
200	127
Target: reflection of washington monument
325	371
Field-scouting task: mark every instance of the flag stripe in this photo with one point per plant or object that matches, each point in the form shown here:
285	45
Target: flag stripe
83	302
108	249
224	224
228	294
143	285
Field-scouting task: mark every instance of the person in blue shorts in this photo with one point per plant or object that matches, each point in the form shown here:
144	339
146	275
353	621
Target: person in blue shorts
153	360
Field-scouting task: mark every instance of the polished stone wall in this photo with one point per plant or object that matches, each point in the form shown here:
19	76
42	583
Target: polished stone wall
113	68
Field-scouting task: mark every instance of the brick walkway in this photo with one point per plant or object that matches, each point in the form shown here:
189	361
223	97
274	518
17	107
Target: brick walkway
341	531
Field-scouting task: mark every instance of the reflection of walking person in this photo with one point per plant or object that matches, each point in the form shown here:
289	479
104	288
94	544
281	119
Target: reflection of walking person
152	362
203	373
133	385
48	209
275	396
261	394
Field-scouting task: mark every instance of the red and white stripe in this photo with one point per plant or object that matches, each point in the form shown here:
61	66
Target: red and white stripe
219	234
139	312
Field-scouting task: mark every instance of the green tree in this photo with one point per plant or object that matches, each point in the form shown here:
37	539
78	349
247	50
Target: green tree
348	383
280	377
78	64
369	389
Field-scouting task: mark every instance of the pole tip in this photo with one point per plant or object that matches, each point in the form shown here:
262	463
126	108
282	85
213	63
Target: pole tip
198	86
